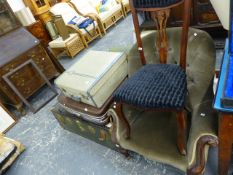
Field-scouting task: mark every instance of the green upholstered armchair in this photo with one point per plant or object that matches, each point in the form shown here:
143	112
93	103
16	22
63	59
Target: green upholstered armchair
154	137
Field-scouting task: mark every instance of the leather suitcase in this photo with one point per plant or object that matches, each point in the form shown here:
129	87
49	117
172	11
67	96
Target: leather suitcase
94	77
86	129
86	112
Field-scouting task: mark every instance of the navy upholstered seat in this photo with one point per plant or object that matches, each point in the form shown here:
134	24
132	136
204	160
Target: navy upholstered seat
155	86
154	3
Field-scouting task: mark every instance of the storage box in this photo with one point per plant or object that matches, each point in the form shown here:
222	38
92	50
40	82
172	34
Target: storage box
93	78
89	130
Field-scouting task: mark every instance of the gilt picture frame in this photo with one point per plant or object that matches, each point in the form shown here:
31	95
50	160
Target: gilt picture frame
7	119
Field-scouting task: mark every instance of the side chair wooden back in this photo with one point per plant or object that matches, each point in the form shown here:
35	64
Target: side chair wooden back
160	11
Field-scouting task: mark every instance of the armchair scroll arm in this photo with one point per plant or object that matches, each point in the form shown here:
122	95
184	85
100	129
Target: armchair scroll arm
199	165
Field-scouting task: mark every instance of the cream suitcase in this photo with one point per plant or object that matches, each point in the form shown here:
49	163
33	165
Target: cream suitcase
94	77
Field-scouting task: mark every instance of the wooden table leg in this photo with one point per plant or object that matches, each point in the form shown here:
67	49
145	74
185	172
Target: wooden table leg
225	134
181	131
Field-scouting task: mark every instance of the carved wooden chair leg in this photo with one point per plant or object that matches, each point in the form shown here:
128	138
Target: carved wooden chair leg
121	117
181	131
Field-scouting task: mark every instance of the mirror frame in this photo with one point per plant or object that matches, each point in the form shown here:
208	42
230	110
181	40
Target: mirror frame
7	114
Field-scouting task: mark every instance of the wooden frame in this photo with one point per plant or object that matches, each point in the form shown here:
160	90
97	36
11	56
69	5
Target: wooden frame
11	14
180	118
184	39
4	113
13	87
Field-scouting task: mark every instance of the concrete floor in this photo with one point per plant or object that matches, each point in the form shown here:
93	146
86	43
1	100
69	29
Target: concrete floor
51	150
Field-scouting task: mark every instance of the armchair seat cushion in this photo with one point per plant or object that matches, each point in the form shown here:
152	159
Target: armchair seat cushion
105	15
155	86
109	13
66	11
60	43
84	7
115	8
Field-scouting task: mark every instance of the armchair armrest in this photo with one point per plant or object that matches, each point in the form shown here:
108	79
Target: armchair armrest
75	29
203	134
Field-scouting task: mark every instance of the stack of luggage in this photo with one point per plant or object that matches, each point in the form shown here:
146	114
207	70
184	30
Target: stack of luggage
86	94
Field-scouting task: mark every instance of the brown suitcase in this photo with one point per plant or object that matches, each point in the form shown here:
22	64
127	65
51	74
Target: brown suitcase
86	112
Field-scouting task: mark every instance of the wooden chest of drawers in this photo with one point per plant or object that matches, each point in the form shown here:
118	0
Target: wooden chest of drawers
16	48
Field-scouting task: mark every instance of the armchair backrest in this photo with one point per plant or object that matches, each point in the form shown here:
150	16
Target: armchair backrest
66	11
102	7
84	6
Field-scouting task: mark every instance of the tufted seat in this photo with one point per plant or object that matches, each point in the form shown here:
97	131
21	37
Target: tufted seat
152	3
155	86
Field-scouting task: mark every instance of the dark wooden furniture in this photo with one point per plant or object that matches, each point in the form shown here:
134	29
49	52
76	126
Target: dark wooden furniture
8	22
39	31
225	134
202	16
159	15
29	62
16	48
225	131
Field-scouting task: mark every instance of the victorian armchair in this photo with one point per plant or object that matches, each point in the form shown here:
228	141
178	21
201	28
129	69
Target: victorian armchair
153	133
